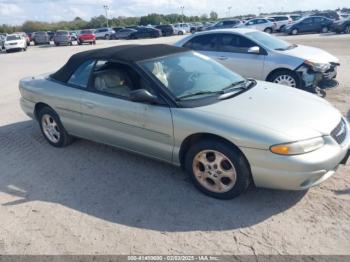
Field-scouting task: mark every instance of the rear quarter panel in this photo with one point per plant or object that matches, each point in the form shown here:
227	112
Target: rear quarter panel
64	100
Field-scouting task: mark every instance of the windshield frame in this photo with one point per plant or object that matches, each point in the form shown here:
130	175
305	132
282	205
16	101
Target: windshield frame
187	103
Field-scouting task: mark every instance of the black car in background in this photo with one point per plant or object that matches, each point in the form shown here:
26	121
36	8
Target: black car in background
166	29
41	38
145	32
342	26
310	24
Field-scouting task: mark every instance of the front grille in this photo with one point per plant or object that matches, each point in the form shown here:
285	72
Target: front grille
339	133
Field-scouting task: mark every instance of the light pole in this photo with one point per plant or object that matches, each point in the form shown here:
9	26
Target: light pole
182	13
259	8
106	7
229	11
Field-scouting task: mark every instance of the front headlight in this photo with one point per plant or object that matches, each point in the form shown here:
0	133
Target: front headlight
318	67
299	147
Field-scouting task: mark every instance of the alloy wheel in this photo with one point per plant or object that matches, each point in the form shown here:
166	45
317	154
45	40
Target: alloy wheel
214	171
50	128
285	80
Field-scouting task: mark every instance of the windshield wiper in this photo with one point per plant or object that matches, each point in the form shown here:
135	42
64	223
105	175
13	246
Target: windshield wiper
234	86
244	84
249	83
199	93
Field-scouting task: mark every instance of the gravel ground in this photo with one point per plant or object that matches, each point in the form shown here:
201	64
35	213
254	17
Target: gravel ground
93	199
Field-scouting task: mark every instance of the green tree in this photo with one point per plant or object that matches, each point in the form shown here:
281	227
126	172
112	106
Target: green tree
213	15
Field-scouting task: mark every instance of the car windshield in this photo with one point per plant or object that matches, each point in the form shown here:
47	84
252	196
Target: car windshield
270	41
13	37
191	75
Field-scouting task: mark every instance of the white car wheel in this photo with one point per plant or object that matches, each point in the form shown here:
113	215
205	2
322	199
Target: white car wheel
286	80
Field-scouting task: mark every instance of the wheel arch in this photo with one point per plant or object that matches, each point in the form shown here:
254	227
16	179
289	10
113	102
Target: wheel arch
280	69
195	138
38	107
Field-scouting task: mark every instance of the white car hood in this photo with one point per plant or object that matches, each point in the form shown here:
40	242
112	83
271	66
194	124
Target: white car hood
311	53
293	113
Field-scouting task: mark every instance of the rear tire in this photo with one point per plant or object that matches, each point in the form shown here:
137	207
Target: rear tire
52	128
218	169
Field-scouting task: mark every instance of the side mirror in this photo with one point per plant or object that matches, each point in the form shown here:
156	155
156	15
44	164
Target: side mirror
254	50
143	96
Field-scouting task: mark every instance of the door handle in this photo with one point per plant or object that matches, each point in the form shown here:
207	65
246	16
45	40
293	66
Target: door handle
222	58
89	105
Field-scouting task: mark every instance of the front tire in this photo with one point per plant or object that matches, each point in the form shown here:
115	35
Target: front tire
52	128
285	77
217	169
268	30
295	31
347	29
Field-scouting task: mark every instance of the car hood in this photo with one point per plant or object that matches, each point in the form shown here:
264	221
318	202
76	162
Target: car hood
311	53
292	113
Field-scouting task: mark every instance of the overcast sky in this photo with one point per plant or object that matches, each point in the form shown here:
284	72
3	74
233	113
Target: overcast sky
17	11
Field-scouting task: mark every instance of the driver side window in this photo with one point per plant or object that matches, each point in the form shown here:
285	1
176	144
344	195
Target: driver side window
116	79
235	43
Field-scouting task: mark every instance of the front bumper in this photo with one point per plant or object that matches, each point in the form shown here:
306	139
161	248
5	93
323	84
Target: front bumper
298	172
13	47
311	79
86	40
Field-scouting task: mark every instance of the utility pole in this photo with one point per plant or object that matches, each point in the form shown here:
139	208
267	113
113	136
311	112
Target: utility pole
229	11
106	7
182	13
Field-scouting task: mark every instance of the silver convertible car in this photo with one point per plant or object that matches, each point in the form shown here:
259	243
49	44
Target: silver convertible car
179	106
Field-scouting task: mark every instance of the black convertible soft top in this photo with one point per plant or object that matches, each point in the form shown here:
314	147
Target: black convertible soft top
124	53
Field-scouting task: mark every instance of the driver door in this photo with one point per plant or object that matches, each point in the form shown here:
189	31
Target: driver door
233	53
110	117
